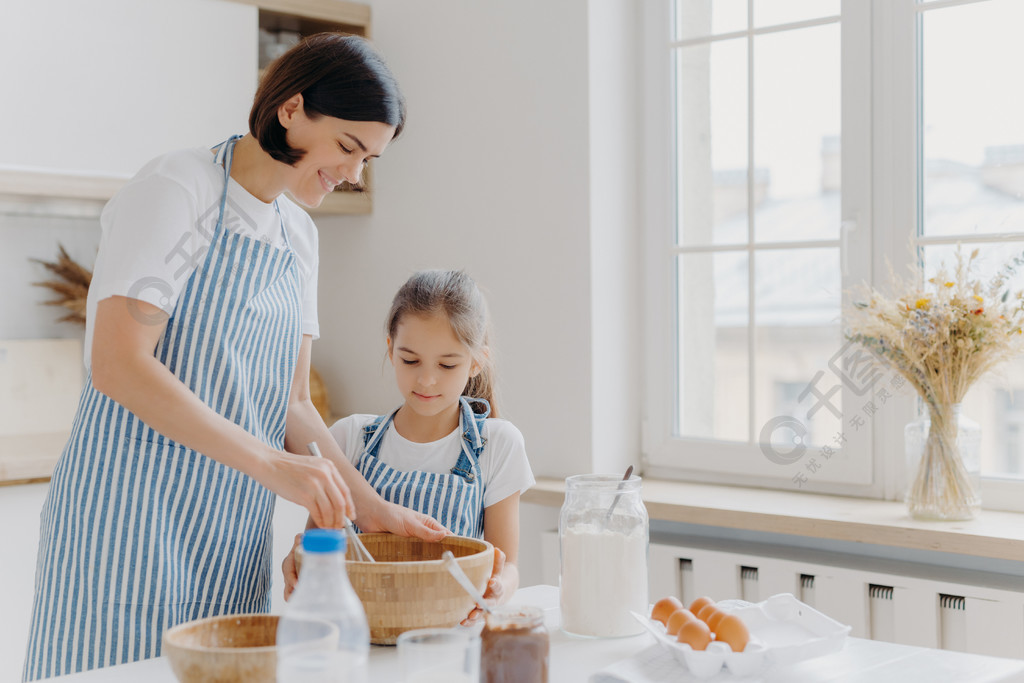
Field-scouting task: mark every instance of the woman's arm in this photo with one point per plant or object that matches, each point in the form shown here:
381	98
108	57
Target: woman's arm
124	368
501	529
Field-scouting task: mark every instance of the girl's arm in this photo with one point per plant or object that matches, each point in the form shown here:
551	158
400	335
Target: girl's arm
125	369
501	529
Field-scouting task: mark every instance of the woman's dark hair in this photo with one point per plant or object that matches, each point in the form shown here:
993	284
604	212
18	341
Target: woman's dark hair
337	75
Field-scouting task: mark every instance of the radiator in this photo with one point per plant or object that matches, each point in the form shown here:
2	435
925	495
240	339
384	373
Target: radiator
912	604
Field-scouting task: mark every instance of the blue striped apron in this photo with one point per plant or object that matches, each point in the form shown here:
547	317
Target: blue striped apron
456	498
139	533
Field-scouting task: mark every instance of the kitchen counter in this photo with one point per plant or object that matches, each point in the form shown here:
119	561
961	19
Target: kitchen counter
575	660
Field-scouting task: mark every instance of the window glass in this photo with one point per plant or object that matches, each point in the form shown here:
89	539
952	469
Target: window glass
711	115
796	134
714	335
797	311
972	108
710	17
773	12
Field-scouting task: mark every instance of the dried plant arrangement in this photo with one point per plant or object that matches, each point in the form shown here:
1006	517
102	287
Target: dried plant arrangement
942	335
71	285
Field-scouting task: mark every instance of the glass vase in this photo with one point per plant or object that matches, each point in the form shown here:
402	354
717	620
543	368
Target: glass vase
943	450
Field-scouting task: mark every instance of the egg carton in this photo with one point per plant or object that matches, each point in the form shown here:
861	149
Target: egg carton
782	629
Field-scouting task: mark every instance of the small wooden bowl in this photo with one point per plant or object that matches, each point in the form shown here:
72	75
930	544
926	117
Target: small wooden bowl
234	648
408	587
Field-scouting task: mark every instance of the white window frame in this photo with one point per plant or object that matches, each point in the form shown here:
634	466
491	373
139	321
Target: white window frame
879	218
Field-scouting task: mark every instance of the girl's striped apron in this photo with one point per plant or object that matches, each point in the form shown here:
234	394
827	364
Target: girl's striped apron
140	533
455	499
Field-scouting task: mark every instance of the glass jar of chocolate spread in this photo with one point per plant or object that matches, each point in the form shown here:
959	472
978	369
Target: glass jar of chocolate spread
514	646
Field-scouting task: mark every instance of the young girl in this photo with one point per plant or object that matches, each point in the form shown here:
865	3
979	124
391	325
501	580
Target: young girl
444	452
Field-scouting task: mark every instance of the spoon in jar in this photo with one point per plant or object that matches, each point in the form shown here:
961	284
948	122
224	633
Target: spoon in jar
460	576
611	508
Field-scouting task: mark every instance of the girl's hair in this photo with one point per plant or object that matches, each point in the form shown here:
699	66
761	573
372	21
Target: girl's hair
337	75
454	294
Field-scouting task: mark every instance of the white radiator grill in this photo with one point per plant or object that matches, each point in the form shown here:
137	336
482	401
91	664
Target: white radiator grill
881	613
806	593
896	602
952	622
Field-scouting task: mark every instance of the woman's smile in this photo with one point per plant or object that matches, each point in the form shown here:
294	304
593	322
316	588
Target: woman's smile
328	182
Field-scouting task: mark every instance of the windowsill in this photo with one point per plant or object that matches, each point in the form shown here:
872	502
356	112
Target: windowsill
994	534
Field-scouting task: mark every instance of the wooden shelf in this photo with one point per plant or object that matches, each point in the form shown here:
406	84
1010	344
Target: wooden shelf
994	534
32	182
353	14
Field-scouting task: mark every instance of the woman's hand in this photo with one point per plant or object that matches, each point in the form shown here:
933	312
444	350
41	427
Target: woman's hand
500	586
290	569
313	483
395	519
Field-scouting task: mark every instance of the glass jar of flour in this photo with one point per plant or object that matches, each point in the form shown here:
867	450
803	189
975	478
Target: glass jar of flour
604	534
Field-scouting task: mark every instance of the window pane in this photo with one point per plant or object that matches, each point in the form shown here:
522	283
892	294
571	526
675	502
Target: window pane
797	312
774	12
713	346
972	110
700	18
712	143
994	402
796	134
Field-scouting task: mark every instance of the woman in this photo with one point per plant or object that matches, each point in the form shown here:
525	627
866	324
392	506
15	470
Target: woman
201	316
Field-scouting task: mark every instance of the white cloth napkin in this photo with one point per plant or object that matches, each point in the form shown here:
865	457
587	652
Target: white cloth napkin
656	665
653	665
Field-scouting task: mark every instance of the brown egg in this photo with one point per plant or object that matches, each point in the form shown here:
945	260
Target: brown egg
699	603
664	608
695	633
677	619
733	631
714	618
705	612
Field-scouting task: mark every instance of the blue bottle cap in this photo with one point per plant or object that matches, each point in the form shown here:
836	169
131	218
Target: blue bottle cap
323	541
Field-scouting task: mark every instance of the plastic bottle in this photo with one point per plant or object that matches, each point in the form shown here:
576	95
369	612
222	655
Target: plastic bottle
322	636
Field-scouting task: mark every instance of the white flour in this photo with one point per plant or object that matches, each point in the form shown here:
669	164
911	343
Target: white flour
604	576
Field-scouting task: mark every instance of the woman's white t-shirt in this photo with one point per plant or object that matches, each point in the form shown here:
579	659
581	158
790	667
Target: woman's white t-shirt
503	463
157	229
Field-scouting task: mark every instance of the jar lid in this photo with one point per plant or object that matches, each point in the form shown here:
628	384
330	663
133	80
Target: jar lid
603	482
323	541
514	617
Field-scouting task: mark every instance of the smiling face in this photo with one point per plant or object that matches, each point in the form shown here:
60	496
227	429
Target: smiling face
336	150
432	367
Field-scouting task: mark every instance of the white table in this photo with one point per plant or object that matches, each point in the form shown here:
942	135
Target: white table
574	660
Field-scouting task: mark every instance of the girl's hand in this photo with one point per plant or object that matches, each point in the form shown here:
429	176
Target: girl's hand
400	520
290	569
313	483
496	592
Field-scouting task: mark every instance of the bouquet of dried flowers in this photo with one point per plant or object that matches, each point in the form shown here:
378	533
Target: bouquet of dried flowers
942	337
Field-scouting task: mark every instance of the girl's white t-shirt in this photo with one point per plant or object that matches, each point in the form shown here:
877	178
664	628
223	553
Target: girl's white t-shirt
503	463
157	229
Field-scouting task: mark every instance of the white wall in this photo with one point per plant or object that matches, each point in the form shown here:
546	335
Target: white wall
103	86
491	175
498	172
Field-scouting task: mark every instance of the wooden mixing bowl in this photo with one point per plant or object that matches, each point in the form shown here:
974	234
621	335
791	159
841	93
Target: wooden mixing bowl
234	648
408	587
